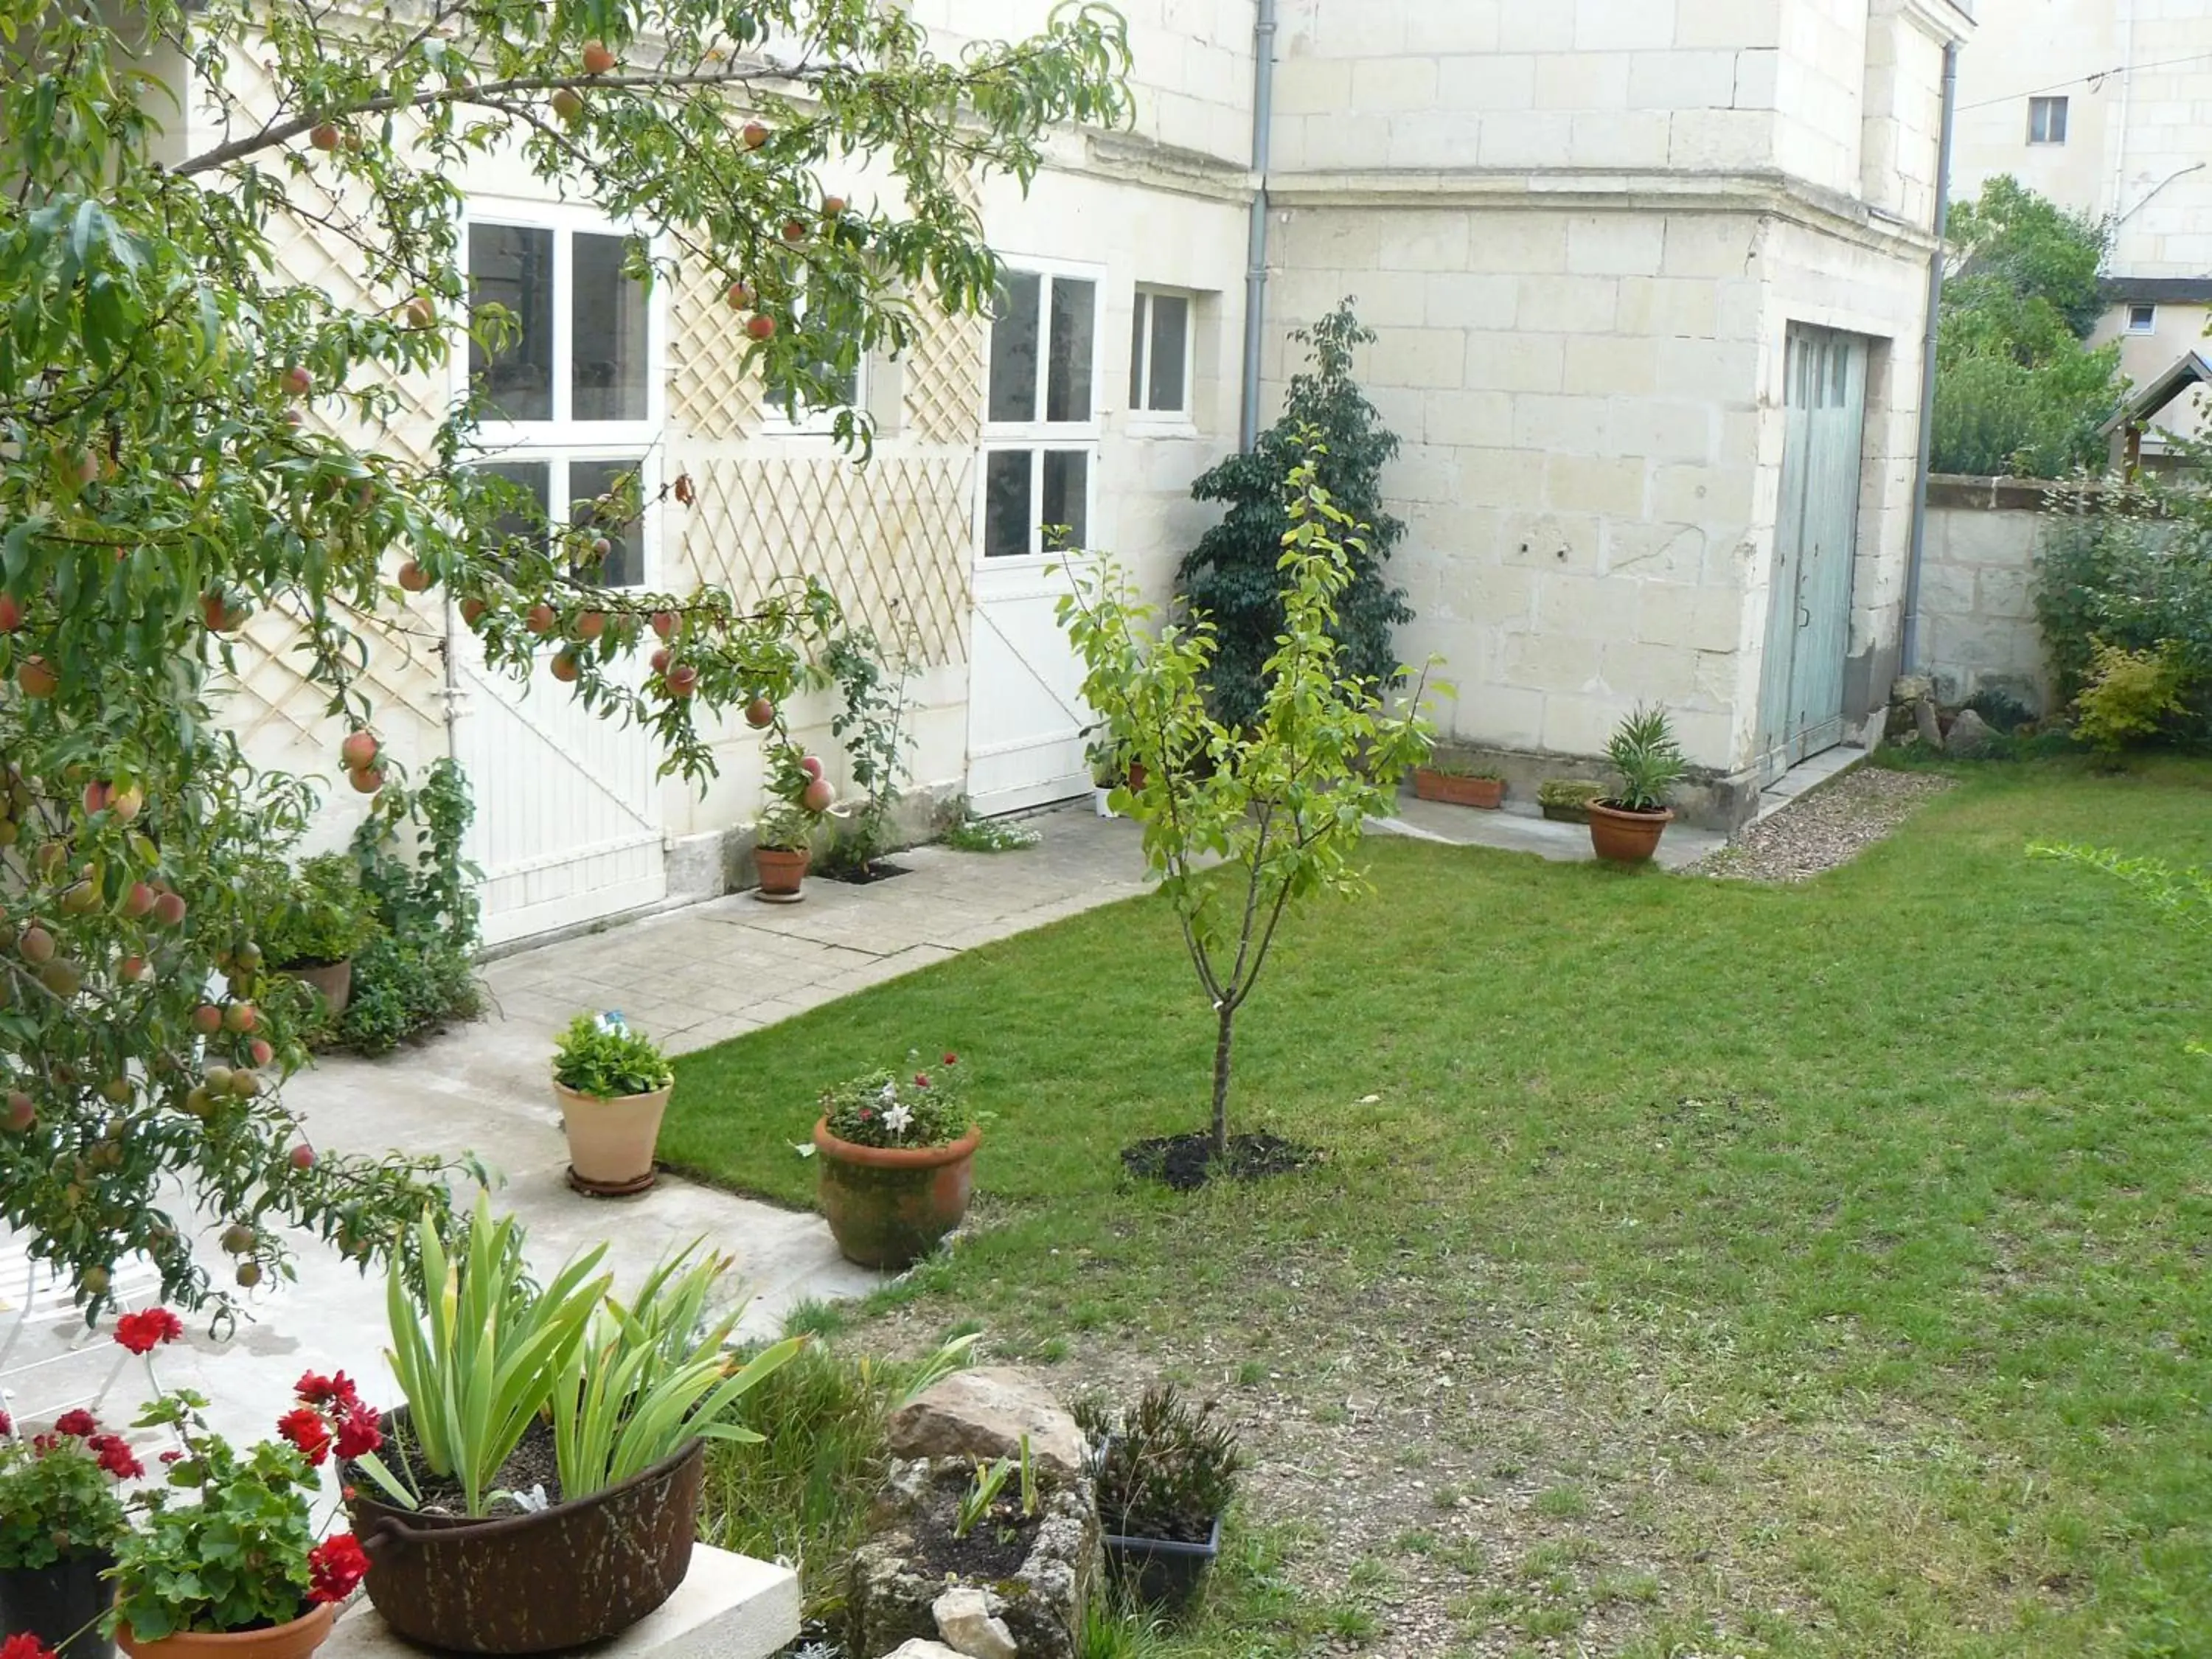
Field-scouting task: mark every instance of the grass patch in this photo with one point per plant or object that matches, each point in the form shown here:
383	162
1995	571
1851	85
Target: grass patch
1883	1199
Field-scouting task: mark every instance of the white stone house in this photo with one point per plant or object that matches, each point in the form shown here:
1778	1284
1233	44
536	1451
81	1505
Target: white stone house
2100	105
1650	278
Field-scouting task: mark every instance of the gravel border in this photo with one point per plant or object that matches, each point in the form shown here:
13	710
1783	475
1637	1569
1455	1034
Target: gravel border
1827	829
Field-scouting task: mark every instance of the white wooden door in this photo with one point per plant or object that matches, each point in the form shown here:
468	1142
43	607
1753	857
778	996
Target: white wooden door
569	827
1026	715
1037	485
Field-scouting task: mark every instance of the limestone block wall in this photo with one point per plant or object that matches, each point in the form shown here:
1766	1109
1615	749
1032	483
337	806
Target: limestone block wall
1577	395
1977	628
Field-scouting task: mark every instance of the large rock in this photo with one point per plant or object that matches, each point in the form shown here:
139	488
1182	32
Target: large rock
922	1648
1925	721
984	1413
1034	1597
968	1619
1970	736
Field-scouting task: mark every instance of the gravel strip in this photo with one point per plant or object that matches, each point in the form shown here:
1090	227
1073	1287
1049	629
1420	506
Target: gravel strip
1830	827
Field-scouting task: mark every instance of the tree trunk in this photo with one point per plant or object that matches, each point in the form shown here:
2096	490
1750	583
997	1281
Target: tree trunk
1221	1083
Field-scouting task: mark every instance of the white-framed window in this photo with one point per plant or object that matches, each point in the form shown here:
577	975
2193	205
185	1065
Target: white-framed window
2047	120
1160	339
2142	320
570	398
1041	412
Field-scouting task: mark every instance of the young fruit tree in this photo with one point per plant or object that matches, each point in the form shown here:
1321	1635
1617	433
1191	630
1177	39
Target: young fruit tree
1241	821
190	436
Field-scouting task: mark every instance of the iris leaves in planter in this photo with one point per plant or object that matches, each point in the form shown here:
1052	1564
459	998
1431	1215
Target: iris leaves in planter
479	1353
653	1377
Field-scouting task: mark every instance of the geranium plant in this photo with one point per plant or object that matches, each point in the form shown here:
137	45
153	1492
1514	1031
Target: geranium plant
58	1496
319	914
899	1109
605	1057
241	1553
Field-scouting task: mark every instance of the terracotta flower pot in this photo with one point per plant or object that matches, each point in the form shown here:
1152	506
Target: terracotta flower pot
577	1572
1623	837
333	979
293	1641
888	1206
1488	793
1137	776
780	871
611	1142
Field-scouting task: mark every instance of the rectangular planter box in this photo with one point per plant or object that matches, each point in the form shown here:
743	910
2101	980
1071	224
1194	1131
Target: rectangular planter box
1559	814
1488	793
1159	1571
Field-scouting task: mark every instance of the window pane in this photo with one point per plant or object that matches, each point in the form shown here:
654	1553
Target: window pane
1137	333
525	521
607	334
1067	498
1006	517
512	267
1014	349
818	349
1170	339
1074	320
624	563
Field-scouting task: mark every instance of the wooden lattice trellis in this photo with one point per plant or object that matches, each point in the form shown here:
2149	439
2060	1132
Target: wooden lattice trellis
890	538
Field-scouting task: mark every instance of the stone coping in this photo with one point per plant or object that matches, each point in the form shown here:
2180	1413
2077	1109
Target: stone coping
728	1607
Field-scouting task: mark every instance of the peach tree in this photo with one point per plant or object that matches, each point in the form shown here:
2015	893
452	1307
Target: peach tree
1243	821
161	483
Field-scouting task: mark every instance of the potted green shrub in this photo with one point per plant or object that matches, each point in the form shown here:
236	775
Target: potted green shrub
60	1521
1106	775
540	1489
612	1083
1164	1473
316	923
898	1158
1460	783
1567	800
1625	828
783	843
224	1562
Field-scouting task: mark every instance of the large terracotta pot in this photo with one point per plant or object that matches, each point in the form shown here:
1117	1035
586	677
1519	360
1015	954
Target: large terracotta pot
62	1604
1622	837
333	979
611	1142
780	871
574	1573
293	1641
1456	790
888	1206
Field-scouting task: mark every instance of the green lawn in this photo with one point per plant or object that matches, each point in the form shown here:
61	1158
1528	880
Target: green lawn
1819	1269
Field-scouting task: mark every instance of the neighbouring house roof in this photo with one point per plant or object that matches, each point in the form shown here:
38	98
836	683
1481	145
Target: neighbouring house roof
2193	369
2157	291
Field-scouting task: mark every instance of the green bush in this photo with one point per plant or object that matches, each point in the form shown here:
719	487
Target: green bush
320	916
1236	576
403	989
2130	697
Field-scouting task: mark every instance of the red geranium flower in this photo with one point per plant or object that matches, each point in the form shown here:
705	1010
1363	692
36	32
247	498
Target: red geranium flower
116	1456
951	1058
335	1566
77	1424
7	1424
142	1332
26	1646
338	1390
304	1427
922	1079
358	1433
171	1456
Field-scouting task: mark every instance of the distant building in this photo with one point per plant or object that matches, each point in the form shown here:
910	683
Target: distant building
2106	106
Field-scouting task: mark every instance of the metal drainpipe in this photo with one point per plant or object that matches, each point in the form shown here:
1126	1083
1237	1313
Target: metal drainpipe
1255	271
1910	650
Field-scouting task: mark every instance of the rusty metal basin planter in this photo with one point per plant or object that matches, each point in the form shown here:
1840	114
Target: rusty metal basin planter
888	1206
574	1573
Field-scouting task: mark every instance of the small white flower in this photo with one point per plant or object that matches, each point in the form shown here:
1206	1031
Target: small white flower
898	1119
890	1096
